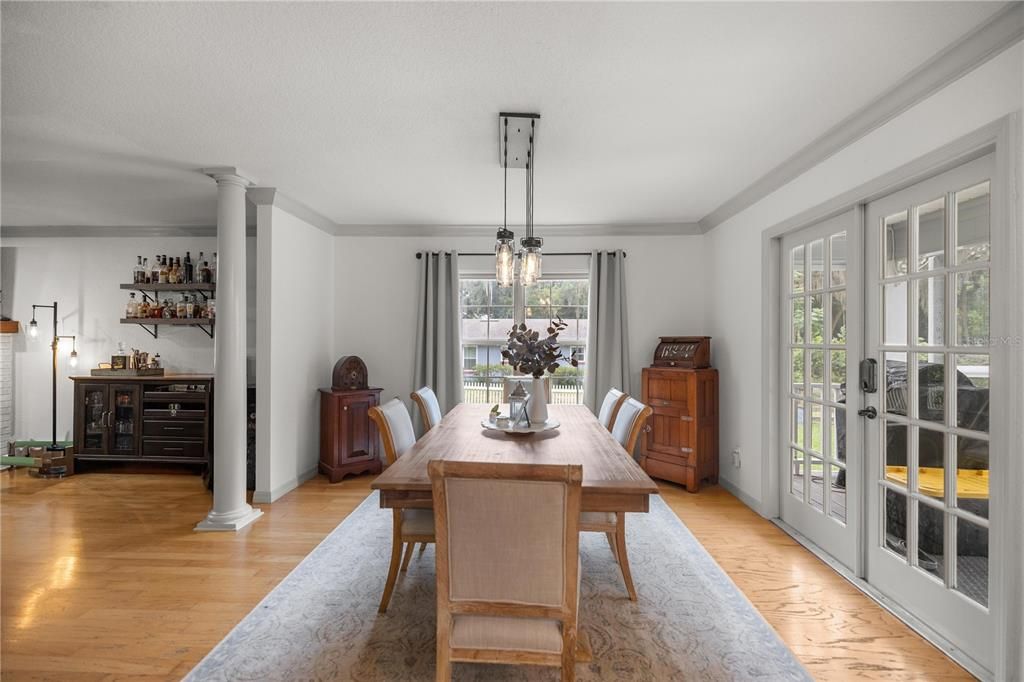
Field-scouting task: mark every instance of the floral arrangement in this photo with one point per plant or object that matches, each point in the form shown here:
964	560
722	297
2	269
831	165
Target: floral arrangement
528	353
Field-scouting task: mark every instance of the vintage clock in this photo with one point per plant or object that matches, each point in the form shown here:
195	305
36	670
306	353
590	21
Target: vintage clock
690	352
349	374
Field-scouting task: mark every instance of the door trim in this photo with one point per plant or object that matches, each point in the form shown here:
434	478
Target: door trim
1003	137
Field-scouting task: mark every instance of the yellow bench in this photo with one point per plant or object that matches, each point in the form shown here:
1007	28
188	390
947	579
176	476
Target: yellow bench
971	484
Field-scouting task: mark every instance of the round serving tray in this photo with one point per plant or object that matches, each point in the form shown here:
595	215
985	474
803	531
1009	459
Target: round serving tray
533	428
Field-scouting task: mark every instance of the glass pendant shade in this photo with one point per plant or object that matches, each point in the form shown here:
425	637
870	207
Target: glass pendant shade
504	259
73	360
33	329
531	269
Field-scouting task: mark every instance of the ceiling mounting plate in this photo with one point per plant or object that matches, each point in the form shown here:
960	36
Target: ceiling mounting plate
520	127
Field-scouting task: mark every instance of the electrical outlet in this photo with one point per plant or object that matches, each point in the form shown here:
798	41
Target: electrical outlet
736	457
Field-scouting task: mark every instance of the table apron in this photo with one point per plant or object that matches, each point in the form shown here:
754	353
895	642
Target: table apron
593	500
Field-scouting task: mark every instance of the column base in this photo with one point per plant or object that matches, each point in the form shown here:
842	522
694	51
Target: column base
236	520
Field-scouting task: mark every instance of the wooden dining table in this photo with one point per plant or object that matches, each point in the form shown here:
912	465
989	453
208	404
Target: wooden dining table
612	479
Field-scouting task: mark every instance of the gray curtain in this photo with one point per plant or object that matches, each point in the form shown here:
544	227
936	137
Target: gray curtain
608	333
438	362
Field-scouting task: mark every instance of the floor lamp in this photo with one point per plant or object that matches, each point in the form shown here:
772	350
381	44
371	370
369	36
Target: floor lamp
33	331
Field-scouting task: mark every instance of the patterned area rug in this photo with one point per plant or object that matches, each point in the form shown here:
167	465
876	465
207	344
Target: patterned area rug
321	623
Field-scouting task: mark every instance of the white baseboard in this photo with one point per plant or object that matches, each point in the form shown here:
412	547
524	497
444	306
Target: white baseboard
743	497
269	496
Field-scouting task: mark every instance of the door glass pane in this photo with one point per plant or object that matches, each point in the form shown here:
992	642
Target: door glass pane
931	387
972	308
797	372
894	236
817	474
796	268
796	431
930	543
837	433
838	247
95	412
972	224
972	475
838	322
895	520
796	477
817	373
124	421
931	310
837	495
894	314
797	318
972	561
896	453
817	318
895	383
972	392
837	358
817	427
931	463
931	235
817	264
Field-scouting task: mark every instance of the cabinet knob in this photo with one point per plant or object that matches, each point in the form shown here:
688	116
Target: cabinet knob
345	408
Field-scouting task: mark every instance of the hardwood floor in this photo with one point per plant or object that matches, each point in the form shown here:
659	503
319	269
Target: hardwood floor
103	578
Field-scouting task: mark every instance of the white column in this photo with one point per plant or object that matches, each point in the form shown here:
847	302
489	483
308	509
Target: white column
230	510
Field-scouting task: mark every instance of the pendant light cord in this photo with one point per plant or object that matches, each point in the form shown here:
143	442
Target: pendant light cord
505	213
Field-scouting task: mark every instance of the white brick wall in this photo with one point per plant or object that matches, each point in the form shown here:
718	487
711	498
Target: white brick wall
6	389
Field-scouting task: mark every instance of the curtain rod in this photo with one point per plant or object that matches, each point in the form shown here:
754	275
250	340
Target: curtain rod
419	254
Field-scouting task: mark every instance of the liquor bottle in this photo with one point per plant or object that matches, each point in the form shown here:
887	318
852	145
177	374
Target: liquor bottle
143	308
211	308
213	269
172	275
138	275
132	309
145	271
199	264
188	269
190	308
204	273
164	271
181	309
169	309
154	273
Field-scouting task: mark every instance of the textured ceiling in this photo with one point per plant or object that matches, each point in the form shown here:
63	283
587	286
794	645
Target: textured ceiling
385	113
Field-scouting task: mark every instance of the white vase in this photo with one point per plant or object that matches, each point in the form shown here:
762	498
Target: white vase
538	408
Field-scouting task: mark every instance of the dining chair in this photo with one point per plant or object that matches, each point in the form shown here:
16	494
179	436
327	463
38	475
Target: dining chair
430	408
409	526
527	382
507	563
610	407
629	422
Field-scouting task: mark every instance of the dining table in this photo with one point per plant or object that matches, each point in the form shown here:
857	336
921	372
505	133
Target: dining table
612	479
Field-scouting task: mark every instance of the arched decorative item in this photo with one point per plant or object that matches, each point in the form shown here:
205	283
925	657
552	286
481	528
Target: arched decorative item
349	374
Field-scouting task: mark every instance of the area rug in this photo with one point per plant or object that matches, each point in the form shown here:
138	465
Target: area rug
321	623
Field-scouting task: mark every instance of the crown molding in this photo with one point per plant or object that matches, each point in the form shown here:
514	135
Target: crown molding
230	174
1003	30
589	230
94	231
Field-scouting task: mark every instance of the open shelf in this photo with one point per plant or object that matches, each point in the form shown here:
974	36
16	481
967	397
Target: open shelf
195	286
205	325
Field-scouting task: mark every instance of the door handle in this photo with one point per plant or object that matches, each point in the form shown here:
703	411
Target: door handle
869	412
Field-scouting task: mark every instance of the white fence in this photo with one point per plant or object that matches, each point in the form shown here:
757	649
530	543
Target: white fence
489	392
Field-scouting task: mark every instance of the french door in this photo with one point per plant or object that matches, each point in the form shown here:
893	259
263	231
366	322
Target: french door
822	304
887	366
928	329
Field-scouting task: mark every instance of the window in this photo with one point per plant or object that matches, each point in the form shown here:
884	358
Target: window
490	311
468	357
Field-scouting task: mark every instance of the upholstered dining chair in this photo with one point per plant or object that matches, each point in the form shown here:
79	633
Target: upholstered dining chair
629	422
430	408
510	385
409	526
610	407
507	563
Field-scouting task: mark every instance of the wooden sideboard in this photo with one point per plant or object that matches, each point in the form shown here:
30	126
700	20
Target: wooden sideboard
681	443
166	419
349	443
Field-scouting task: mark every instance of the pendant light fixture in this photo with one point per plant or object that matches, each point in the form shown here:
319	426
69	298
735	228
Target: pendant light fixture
517	135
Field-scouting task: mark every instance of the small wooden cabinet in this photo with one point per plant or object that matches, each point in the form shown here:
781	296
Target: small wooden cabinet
164	419
348	437
681	443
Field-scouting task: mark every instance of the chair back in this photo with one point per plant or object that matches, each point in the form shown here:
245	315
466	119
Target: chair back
430	408
629	422
395	428
527	382
610	407
507	540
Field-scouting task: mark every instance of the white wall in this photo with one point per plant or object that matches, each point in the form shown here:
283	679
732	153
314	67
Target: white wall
296	341
84	275
376	289
735	259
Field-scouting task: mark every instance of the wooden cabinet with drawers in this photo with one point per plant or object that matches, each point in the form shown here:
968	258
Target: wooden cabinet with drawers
681	443
166	419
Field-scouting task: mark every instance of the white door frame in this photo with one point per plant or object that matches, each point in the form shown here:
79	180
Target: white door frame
1004	138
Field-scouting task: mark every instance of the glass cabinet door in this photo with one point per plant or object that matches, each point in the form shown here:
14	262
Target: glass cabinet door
93	402
124	420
